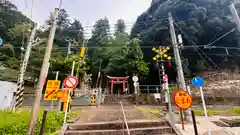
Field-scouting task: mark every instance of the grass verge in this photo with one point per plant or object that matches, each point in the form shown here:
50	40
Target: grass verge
233	111
153	114
16	123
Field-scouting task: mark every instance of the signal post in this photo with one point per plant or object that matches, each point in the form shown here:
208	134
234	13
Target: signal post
161	55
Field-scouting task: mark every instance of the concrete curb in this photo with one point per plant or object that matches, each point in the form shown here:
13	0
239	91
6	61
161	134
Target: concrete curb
176	130
65	127
76	118
63	130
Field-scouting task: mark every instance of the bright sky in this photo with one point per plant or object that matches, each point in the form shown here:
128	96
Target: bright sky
87	11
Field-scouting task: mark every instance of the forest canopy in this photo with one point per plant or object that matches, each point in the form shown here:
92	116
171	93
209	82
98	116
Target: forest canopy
117	53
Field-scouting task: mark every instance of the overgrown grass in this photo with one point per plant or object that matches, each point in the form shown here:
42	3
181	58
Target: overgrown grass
153	114
16	123
148	110
233	111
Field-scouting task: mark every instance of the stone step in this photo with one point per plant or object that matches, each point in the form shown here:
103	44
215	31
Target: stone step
162	130
118	125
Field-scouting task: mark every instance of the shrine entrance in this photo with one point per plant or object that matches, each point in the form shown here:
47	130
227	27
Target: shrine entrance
118	80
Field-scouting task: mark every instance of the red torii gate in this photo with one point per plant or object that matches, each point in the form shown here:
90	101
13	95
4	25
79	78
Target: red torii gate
114	80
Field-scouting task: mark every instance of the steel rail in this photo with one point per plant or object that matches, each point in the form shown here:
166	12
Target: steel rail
125	120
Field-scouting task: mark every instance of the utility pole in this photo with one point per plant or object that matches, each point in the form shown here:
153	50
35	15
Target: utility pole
20	82
69	46
36	106
235	16
178	60
80	57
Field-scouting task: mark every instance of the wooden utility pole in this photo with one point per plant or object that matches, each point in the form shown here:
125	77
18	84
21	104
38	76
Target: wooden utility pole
20	82
41	81
178	60
235	16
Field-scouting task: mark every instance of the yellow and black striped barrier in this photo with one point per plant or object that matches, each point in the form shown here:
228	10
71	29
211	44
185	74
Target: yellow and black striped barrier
93	100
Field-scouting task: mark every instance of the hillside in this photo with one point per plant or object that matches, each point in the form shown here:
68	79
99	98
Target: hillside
200	23
116	55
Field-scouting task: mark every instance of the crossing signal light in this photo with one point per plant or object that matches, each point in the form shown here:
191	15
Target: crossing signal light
169	65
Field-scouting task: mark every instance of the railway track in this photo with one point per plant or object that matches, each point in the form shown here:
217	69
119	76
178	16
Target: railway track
117	120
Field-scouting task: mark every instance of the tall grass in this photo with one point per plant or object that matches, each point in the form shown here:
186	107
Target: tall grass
16	123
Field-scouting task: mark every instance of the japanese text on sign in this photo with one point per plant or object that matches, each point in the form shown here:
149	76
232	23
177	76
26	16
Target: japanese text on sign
51	90
183	99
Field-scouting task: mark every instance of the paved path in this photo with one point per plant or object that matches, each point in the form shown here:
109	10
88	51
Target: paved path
102	114
203	126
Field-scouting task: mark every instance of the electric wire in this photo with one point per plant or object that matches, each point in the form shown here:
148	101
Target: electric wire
197	48
232	30
31	12
147	47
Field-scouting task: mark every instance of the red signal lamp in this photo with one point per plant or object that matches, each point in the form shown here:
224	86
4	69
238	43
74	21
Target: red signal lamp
169	65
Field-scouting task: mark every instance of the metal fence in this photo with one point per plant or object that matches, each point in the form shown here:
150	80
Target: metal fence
80	98
150	88
85	99
154	88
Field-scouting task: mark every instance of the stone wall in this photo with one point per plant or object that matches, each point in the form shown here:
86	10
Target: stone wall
225	88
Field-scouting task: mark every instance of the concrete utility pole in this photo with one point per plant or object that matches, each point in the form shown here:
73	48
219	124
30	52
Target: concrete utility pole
20	82
36	106
69	46
178	60
235	16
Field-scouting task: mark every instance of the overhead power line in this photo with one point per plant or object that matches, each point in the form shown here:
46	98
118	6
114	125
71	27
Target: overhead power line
197	48
143	47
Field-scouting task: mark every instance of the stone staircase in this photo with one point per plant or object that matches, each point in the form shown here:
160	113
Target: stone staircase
114	99
136	127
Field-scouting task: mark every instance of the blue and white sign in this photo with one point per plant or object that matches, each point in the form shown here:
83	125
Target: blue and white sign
198	81
1	41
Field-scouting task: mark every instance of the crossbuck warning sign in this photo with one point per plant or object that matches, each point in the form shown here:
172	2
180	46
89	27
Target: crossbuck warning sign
161	53
51	89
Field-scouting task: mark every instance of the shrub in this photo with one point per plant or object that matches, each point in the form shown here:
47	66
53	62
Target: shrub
16	123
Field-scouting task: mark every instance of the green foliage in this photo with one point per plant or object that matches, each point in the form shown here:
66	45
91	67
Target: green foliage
15	30
16	123
203	21
233	111
120	27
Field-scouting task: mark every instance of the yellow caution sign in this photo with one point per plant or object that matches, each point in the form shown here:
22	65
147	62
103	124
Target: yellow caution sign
64	95
51	90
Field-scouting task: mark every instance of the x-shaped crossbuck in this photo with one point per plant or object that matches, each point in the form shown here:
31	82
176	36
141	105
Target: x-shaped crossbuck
161	53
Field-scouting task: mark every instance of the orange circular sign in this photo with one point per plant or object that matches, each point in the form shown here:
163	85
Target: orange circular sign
183	99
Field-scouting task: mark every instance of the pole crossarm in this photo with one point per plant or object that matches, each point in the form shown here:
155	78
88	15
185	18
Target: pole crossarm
161	53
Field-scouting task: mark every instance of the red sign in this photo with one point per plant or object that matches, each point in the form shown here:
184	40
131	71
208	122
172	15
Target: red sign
183	99
49	93
70	82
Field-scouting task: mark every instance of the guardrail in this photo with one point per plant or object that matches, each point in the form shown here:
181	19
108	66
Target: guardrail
125	120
